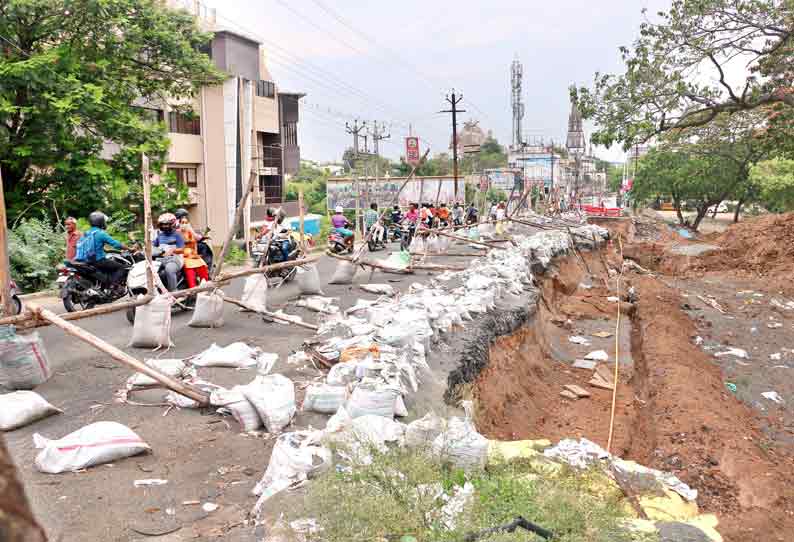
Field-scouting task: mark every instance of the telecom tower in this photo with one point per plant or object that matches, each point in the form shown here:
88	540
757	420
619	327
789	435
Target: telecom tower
516	80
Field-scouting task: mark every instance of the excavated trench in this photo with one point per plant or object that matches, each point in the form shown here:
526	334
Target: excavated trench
672	410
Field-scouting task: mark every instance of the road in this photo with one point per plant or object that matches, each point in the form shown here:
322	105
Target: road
203	457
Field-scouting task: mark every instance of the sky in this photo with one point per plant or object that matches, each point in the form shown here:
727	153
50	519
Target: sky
397	62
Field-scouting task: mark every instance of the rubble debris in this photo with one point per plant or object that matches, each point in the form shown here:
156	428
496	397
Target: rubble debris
711	302
568	394
577	390
597	355
773	396
602	334
148	482
379	289
587	364
576	339
731	351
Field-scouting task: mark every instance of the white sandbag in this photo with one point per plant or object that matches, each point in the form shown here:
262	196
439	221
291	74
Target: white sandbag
234	402
344	273
341	374
94	444
378	289
183	401
375	431
255	292
20	408
338	422
208	311
23	360
422	432
237	355
324	399
461	444
295	456
417	244
152	327
273	396
379	401
309	280
399	407
324	305
432	245
175	368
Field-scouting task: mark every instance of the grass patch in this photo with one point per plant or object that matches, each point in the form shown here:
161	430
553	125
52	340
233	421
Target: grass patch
236	256
396	495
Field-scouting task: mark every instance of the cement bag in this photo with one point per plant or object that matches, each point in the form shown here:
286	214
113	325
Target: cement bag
94	444
378	289
324	399
20	408
153	324
345	271
375	431
208	311
378	401
273	397
296	456
23	360
255	292
432	245
422	432
461	444
175	368
341	374
309	280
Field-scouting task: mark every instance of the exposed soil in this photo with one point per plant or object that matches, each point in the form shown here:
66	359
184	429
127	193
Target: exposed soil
673	410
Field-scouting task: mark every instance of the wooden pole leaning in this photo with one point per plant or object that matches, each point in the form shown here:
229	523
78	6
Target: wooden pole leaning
233	226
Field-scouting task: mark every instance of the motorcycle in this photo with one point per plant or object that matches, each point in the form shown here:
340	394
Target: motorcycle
339	244
136	283
407	230
375	241
282	247
205	250
83	286
16	302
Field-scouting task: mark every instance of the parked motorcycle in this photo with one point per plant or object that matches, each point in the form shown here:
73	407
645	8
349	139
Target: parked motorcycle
339	244
16	302
83	286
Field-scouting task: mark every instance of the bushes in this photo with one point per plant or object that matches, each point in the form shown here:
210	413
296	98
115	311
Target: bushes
35	248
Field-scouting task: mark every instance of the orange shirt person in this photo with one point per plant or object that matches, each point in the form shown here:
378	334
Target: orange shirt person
194	265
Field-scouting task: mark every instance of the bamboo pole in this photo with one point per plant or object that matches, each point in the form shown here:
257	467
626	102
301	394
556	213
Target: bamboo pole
147	222
453	254
269	314
5	266
237	215
179	387
31	319
470	241
300	221
386	268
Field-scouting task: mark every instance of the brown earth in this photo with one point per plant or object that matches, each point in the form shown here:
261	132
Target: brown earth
673	410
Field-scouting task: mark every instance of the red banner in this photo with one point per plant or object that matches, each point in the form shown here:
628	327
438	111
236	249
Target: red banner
412	150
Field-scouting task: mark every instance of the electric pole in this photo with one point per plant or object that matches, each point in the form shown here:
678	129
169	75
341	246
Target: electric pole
378	135
355	130
454	100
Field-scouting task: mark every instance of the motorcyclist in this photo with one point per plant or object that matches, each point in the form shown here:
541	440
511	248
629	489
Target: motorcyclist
91	249
173	245
396	215
203	248
372	222
342	225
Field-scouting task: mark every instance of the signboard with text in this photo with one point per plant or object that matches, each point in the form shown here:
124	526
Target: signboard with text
412	155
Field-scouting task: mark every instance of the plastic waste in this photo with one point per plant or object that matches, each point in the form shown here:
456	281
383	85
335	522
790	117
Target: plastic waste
295	457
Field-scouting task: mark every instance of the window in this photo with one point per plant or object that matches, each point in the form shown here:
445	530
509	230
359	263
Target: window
290	130
265	89
270	188
180	123
185	175
152	115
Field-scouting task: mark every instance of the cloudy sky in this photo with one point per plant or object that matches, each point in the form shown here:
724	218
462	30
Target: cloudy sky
395	62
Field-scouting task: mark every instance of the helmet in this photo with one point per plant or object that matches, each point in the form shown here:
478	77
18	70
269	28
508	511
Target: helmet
339	209
270	212
396	207
98	220
166	222
180	213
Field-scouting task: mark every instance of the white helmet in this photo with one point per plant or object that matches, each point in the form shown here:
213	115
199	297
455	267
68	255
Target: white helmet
339	209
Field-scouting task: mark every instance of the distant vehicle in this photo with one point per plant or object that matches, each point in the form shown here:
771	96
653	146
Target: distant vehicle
722	207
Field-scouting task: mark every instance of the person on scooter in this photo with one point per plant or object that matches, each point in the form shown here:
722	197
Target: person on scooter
195	266
342	225
443	215
173	245
371	217
396	215
91	248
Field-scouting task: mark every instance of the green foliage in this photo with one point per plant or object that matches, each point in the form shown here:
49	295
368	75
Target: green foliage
236	256
69	82
34	249
496	194
775	181
381	501
675	74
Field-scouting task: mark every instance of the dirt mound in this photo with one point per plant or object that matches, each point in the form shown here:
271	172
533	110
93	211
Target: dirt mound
763	245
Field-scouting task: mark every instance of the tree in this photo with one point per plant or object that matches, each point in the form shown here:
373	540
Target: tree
71	71
775	181
677	72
